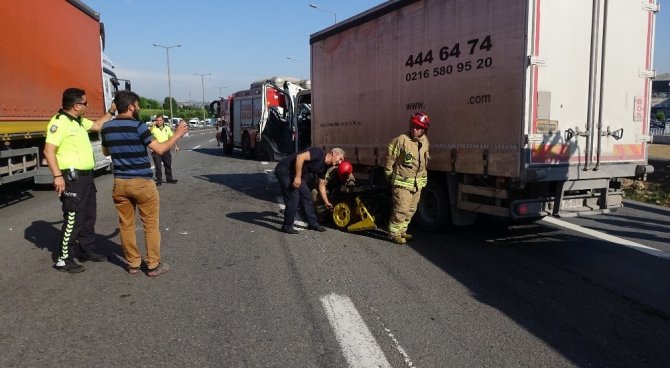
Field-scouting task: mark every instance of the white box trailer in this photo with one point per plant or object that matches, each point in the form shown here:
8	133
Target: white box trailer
538	107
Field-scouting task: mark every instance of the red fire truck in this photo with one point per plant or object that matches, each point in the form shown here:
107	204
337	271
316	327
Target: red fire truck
260	120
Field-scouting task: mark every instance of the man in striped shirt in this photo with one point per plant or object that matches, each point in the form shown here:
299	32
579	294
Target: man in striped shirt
126	139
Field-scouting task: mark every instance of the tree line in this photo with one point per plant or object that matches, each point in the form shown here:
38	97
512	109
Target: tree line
150	107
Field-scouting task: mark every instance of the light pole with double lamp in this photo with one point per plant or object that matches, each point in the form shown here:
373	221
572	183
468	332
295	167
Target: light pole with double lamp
296	60
202	81
167	52
221	90
326	10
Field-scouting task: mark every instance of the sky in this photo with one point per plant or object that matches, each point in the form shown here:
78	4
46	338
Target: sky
237	41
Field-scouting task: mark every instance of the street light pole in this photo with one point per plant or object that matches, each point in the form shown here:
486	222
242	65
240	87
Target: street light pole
202	80
167	52
326	10
297	61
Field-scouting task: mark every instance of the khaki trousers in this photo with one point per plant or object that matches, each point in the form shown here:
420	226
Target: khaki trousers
405	202
129	194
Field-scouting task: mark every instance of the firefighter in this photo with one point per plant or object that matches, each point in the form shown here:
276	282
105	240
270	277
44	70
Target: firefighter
333	179
405	170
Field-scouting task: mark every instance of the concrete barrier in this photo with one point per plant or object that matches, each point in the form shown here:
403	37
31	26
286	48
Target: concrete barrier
660	139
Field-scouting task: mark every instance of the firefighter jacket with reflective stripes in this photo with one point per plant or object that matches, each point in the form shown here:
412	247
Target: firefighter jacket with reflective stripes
406	162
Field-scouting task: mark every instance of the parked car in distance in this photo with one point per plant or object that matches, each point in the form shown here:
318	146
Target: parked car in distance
194	123
657	124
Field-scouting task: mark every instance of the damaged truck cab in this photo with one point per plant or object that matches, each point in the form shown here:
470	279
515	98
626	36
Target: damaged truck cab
261	121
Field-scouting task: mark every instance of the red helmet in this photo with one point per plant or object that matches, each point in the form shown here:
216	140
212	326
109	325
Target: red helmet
344	169
420	120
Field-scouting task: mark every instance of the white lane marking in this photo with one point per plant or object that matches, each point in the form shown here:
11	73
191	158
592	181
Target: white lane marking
358	345
264	162
396	344
196	147
282	207
614	239
212	140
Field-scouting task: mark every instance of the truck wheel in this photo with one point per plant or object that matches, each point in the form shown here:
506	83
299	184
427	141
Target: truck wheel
432	212
227	148
261	151
247	151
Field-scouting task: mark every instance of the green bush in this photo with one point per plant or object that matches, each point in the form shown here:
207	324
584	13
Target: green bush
660	116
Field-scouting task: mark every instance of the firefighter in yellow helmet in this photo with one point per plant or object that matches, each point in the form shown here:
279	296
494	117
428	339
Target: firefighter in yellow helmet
405	170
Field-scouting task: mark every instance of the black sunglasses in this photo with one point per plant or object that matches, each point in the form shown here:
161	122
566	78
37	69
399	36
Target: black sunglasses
81	103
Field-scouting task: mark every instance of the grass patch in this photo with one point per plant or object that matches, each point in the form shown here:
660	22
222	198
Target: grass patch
647	192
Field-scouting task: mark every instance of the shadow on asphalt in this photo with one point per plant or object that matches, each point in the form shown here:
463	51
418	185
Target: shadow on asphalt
212	151
634	227
658	210
267	219
583	297
47	235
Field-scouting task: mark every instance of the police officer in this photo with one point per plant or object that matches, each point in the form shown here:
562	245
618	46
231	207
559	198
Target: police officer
162	133
69	154
292	173
405	169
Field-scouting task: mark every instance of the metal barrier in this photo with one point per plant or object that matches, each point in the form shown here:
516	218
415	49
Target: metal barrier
660	131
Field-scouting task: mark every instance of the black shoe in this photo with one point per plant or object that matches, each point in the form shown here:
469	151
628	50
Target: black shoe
318	228
92	256
70	266
289	230
172	181
158	183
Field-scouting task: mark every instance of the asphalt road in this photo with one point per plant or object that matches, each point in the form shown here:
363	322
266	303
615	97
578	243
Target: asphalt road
243	294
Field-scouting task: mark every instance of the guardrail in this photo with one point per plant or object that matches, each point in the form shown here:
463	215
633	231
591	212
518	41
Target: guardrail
660	131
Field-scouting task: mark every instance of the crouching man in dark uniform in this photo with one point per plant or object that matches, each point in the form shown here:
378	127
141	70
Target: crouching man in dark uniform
292	175
69	154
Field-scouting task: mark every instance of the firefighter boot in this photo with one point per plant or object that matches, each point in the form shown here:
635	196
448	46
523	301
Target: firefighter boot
398	239
406	236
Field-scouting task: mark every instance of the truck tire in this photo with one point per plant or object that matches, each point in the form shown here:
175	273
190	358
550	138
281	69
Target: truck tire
432	213
227	148
261	151
247	151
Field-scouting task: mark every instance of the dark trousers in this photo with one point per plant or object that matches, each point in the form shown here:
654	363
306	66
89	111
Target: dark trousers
79	214
166	160
293	197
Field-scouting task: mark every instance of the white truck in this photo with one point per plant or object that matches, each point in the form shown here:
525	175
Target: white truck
260	120
538	107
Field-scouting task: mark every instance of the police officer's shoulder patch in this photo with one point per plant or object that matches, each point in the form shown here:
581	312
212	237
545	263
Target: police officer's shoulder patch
53	128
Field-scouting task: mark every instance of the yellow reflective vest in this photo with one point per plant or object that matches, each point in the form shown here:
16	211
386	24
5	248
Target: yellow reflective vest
70	135
161	134
406	162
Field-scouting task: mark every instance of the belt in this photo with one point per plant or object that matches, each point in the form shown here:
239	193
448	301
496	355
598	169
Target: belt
80	172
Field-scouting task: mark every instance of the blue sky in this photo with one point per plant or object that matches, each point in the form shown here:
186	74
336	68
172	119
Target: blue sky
238	41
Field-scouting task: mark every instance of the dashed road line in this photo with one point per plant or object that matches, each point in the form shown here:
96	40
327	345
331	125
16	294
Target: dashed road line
356	341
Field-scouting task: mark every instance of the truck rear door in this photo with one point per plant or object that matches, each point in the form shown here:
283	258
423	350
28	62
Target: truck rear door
590	82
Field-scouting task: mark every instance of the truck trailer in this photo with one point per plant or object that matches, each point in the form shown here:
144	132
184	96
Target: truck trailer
53	45
260	120
538	107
